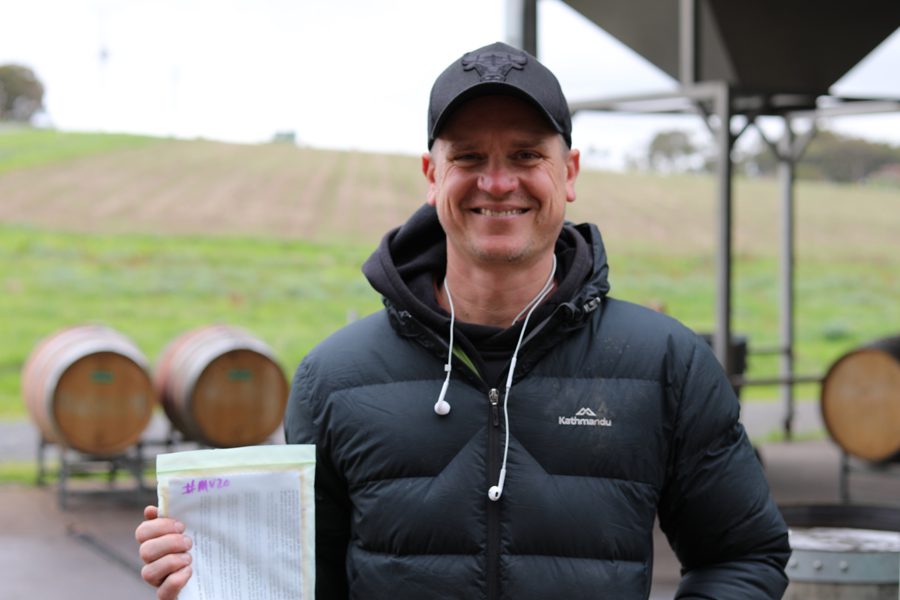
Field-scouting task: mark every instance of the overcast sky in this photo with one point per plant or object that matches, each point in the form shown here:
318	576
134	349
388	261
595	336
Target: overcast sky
351	74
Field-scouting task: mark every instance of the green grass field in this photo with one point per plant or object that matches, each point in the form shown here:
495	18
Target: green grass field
23	147
290	294
292	287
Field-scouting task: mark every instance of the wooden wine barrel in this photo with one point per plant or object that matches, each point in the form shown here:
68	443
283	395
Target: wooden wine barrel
88	388
221	386
860	400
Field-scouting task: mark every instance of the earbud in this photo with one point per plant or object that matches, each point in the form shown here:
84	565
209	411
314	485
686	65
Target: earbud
497	490
442	407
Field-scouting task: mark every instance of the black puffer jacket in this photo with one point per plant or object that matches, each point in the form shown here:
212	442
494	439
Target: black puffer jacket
616	414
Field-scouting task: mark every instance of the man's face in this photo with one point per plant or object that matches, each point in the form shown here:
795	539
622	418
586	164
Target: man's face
500	178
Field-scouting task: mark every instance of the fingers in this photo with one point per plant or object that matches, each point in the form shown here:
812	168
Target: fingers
173	584
142	533
168	566
164	550
155	548
157	527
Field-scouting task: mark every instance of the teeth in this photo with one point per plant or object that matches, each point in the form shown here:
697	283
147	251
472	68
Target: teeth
500	213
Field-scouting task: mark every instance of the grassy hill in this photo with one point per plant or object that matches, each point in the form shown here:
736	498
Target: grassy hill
155	236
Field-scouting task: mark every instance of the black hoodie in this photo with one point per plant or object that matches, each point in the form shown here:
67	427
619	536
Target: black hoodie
617	415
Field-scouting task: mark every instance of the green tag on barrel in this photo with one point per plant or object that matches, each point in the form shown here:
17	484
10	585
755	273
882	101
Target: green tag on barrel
240	375
102	376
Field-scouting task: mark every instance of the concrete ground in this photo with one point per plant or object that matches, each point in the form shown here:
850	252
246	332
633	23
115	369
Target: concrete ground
87	551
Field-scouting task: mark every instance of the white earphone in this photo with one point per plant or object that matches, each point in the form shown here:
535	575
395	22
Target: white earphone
497	490
442	407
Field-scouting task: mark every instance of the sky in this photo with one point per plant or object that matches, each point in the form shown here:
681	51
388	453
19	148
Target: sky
343	74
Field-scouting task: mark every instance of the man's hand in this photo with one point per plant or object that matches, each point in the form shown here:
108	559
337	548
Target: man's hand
164	550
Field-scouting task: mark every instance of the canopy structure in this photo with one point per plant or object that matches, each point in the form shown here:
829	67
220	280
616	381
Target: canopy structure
748	59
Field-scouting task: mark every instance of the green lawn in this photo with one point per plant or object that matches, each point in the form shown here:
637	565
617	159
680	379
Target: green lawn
152	288
291	294
24	147
839	305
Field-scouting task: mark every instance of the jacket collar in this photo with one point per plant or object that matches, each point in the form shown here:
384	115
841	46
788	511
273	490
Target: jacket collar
410	257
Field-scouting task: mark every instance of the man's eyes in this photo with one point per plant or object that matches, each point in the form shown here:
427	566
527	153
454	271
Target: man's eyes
520	155
528	155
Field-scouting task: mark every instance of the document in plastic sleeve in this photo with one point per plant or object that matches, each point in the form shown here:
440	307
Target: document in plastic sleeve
251	515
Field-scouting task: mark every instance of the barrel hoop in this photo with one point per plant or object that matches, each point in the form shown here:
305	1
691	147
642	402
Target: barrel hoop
844	567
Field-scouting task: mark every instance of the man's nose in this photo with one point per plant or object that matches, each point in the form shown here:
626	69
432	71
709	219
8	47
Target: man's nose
498	180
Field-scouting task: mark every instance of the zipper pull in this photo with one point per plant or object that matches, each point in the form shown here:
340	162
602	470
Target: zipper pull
494	397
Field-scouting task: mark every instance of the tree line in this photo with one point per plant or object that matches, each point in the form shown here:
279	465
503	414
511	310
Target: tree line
830	156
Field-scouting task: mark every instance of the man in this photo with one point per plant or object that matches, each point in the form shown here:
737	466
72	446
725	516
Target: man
504	428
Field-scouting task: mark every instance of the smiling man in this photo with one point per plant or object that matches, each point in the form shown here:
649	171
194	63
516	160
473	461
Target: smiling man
499	177
498	163
504	428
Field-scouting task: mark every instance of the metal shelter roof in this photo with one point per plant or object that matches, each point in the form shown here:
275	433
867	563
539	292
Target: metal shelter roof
785	47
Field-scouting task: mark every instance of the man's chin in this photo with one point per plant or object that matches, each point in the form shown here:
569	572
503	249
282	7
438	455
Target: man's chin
502	254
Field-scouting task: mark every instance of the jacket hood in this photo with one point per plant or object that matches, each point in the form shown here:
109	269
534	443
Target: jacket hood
409	257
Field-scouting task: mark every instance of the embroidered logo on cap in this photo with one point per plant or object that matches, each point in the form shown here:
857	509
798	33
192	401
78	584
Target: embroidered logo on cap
494	66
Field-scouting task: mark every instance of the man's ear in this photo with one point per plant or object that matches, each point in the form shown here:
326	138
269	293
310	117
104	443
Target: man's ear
573	166
428	171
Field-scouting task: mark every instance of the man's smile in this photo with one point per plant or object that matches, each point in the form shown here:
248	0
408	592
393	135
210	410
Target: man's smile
511	212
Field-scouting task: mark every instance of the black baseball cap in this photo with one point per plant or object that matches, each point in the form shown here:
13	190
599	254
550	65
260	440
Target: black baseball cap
498	69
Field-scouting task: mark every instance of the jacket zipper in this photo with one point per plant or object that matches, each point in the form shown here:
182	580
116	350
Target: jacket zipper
494	397
493	508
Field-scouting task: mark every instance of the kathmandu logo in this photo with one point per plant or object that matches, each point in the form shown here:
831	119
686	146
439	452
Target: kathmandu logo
585	417
494	66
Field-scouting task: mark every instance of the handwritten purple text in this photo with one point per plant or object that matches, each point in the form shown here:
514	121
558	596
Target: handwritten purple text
197	486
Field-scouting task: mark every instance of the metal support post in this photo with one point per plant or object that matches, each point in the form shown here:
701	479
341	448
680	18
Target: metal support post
64	473
724	139
786	316
687	42
42	467
521	24
844	478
